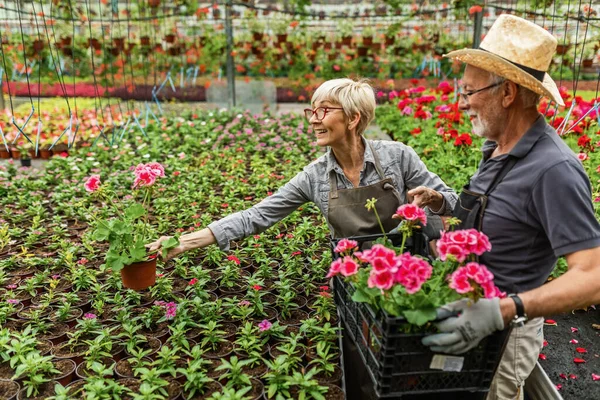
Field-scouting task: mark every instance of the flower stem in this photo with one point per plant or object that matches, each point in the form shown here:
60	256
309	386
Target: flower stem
379	221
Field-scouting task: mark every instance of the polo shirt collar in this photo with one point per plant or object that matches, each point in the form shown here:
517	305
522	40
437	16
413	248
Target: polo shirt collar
332	163
524	145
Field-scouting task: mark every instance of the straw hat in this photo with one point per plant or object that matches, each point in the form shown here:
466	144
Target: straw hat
517	50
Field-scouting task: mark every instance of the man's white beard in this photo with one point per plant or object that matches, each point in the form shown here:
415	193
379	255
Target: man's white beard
479	127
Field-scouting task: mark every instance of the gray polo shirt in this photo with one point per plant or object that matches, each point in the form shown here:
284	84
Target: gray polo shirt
540	211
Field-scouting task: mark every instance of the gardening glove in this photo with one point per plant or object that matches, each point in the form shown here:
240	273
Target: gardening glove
461	333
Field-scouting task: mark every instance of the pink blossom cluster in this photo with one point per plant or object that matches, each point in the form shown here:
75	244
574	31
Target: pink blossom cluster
389	269
346	266
346	245
170	308
146	174
92	183
411	212
463	279
462	243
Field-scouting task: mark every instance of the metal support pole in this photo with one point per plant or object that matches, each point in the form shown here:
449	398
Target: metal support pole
230	69
477	28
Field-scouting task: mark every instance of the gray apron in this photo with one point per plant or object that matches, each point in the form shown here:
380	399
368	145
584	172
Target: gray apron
347	213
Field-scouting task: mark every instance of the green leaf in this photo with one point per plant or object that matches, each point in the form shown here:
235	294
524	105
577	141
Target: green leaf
420	317
167	245
138	252
360	296
101	233
120	227
115	261
135	211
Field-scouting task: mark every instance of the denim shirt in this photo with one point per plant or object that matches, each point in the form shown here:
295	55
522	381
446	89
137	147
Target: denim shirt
400	162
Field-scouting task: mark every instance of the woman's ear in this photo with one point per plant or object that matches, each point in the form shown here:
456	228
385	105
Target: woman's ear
353	122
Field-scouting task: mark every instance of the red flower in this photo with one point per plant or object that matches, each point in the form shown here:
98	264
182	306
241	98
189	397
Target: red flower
550	322
574	330
463	139
542	356
579	361
234	259
257	287
581	350
296	253
584	141
193	281
324	288
475	9
415	131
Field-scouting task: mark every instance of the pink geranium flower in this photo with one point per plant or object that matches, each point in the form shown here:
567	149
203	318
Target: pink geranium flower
334	268
92	183
348	267
345	245
383	280
411	212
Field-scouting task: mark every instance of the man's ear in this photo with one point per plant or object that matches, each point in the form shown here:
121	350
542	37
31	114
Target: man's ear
510	91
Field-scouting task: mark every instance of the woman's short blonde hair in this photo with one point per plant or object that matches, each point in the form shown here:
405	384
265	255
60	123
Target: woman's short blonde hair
355	97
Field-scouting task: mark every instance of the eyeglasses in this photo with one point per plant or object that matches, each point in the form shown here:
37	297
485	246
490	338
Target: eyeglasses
465	95
319	112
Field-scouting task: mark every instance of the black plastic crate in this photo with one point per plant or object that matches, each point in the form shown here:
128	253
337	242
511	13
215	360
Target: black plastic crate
397	362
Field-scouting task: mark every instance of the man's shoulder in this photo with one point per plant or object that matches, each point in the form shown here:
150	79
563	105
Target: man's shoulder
552	151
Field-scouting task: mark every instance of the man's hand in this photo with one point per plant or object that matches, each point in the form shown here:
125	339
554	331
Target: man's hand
425	197
460	334
156	246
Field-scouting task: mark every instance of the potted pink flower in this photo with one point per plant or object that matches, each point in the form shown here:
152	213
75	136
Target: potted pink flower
410	286
128	232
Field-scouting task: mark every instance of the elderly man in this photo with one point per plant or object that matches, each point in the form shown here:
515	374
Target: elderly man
531	196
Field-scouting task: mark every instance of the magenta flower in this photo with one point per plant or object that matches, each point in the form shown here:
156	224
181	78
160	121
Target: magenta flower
93	183
56	276
11	286
244	303
193	281
345	245
411	212
265	325
12	301
89	316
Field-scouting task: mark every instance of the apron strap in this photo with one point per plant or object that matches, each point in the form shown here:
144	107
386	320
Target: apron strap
376	159
333	184
510	163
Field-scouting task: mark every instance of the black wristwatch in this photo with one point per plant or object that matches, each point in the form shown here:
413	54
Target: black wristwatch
521	318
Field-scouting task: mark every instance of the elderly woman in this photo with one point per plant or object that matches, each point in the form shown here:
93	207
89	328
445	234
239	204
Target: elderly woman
339	182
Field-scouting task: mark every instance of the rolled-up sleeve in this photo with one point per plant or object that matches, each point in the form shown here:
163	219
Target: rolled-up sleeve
264	214
417	174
